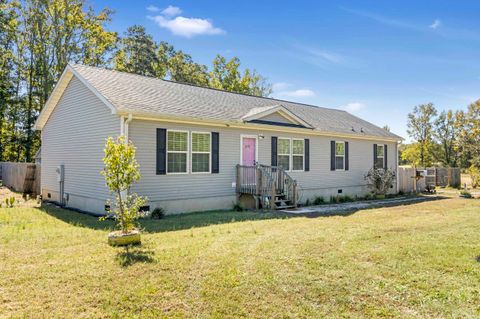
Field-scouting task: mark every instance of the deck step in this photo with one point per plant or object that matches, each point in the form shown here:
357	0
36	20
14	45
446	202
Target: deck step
284	207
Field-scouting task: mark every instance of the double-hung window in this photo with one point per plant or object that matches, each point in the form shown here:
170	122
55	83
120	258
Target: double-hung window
291	154
380	160
298	154
284	152
177	152
201	152
339	155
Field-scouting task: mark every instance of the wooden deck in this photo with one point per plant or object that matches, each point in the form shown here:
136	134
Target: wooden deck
271	186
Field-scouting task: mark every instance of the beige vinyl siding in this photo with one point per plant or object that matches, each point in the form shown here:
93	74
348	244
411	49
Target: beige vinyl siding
189	186
75	136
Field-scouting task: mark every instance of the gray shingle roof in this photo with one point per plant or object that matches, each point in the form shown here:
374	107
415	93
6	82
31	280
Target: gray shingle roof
135	93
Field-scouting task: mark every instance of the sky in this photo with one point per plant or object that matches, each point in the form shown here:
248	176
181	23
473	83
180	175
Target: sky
375	59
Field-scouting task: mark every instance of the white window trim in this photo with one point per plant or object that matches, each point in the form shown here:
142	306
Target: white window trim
340	142
187	152
192	152
290	155
303	155
381	156
242	136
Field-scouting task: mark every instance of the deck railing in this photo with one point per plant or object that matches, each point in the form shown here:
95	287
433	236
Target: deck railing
265	183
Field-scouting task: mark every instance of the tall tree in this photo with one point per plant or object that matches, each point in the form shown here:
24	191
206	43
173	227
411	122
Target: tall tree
48	35
420	128
8	26
226	75
445	134
137	53
470	135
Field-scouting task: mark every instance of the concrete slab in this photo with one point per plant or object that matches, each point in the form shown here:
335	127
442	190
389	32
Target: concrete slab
353	206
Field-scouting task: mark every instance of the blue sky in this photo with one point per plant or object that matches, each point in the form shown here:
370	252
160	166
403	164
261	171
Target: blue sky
376	59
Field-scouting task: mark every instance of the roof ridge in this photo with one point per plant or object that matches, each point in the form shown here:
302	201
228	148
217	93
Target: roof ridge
205	87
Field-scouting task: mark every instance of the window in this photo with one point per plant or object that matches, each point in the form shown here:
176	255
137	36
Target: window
379	161
283	159
177	151
201	148
340	155
298	151
291	154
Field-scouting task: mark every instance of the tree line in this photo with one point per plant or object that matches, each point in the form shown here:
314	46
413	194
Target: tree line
39	37
448	138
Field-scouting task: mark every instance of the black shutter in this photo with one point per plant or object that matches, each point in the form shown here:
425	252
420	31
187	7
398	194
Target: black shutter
332	155
346	156
307	155
215	153
375	155
161	151
385	156
274	151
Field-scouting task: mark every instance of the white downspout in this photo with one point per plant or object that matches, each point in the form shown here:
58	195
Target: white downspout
397	168
127	122
124	132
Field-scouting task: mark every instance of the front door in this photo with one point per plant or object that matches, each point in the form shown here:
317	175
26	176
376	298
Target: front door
249	149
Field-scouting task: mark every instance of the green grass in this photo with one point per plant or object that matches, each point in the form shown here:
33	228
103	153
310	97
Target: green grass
408	261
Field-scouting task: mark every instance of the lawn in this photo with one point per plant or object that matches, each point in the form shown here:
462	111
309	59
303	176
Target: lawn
408	261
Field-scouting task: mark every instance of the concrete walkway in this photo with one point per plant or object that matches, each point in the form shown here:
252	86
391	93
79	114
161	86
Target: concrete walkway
332	209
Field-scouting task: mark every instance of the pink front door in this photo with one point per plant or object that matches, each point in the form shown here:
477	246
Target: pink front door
248	151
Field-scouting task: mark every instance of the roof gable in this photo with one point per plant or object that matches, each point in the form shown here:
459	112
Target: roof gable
57	94
275	114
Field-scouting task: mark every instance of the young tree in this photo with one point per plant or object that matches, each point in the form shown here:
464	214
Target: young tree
121	171
420	128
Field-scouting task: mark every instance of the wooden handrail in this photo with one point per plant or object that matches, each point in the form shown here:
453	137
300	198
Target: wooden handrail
265	183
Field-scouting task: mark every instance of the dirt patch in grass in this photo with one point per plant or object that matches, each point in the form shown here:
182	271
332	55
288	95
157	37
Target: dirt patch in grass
20	201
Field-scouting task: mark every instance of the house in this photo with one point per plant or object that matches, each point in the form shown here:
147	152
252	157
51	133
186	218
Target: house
197	147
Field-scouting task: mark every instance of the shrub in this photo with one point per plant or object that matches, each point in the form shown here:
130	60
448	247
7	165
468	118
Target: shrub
466	194
121	171
307	202
157	213
237	207
318	200
474	173
345	199
380	180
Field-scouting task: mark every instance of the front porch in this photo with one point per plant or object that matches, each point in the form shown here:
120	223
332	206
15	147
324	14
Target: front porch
270	187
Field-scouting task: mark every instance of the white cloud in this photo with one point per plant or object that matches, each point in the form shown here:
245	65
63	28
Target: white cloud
435	25
297	93
171	11
152	8
186	27
353	107
280	86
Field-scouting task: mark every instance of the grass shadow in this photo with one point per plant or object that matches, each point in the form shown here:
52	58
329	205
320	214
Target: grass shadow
166	224
203	219
131	255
